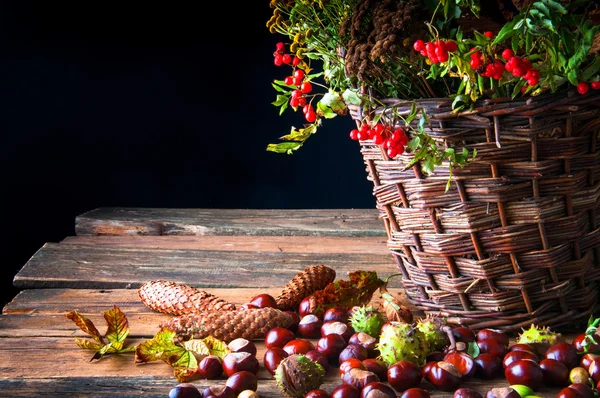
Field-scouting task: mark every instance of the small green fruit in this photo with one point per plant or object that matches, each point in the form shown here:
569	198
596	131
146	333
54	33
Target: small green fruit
524	391
367	320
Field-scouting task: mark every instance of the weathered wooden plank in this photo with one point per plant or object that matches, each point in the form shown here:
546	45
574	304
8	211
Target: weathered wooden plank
41	312
296	244
164	221
93	267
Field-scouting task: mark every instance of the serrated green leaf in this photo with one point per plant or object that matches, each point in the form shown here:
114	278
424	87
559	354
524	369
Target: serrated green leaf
161	347
88	344
216	346
185	367
197	347
118	326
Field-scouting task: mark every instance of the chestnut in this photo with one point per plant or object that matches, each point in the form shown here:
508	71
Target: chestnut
185	390
584	389
565	353
525	372
594	370
377	389
463	362
466	392
444	376
353	351
427	367
579	375
512	356
359	378
586	360
218	392
304	308
365	340
345	391
318	393
376	366
210	367
320	358
555	372
336	314
403	375
247	306
272	358
523	347
264	300
415	392
502	392
241	381
278	337
337	327
350	364
435	356
298	346
494	346
492	333
310	327
331	346
248	394
581	343
569	393
488	366
463	334
237	361
242	345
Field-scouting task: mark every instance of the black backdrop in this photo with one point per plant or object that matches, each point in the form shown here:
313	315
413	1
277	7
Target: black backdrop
136	104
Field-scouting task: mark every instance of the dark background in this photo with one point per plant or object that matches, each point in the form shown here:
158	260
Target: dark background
143	105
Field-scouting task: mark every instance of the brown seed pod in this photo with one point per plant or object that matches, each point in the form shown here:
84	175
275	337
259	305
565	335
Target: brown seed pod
305	283
179	299
393	308
250	324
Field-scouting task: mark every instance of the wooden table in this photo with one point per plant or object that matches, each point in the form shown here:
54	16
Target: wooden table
234	254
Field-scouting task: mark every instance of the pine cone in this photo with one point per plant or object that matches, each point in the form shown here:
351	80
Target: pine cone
179	299
250	324
304	284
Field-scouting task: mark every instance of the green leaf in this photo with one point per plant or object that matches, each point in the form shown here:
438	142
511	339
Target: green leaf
281	99
88	344
556	6
519	23
351	97
429	165
118	327
216	346
543	8
473	349
162	346
507	31
592	69
197	347
300	135
572	76
277	87
284	147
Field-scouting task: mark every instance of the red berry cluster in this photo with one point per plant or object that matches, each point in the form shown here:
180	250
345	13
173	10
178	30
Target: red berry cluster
436	51
393	141
297	79
280	57
583	87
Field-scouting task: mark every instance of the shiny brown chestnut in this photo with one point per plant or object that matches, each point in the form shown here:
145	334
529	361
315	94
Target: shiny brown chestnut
502	392
463	334
278	337
444	376
565	353
493	346
320	358
310	327
336	314
298	346
466	392
331	346
237	361
219	391
337	327
272	358
404	374
351	363
345	391
526	372
555	372
415	392
318	393
210	367
494	334
365	340
264	300
488	366
242	345
463	362
353	351
242	381
512	356
359	378
377	389
376	366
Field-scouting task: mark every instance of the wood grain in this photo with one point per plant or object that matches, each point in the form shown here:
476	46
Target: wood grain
110	267
282	222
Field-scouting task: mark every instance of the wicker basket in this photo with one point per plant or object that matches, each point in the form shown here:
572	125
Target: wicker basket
516	238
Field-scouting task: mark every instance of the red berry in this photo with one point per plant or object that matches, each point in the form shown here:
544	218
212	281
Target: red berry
419	45
278	60
354	134
296	93
532	81
518	72
508	54
279	46
287	59
595	85
295	61
297	80
489	34
378	139
288	80
299	73
306	87
583	88
294	102
302	101
451	46
311	116
392	153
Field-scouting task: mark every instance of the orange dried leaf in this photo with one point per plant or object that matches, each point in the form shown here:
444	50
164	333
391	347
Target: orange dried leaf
86	325
118	327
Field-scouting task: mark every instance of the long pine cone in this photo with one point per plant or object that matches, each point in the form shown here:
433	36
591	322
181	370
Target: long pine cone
179	299
250	324
305	283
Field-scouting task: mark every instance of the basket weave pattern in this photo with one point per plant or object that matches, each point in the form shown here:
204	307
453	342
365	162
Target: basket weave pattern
515	240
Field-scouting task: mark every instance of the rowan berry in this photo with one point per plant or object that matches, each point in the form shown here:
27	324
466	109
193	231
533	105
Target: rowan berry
508	54
489	34
595	85
287	58
583	88
419	45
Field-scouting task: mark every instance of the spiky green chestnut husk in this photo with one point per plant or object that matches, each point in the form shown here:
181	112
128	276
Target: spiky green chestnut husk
297	374
539	338
367	320
432	329
402	341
